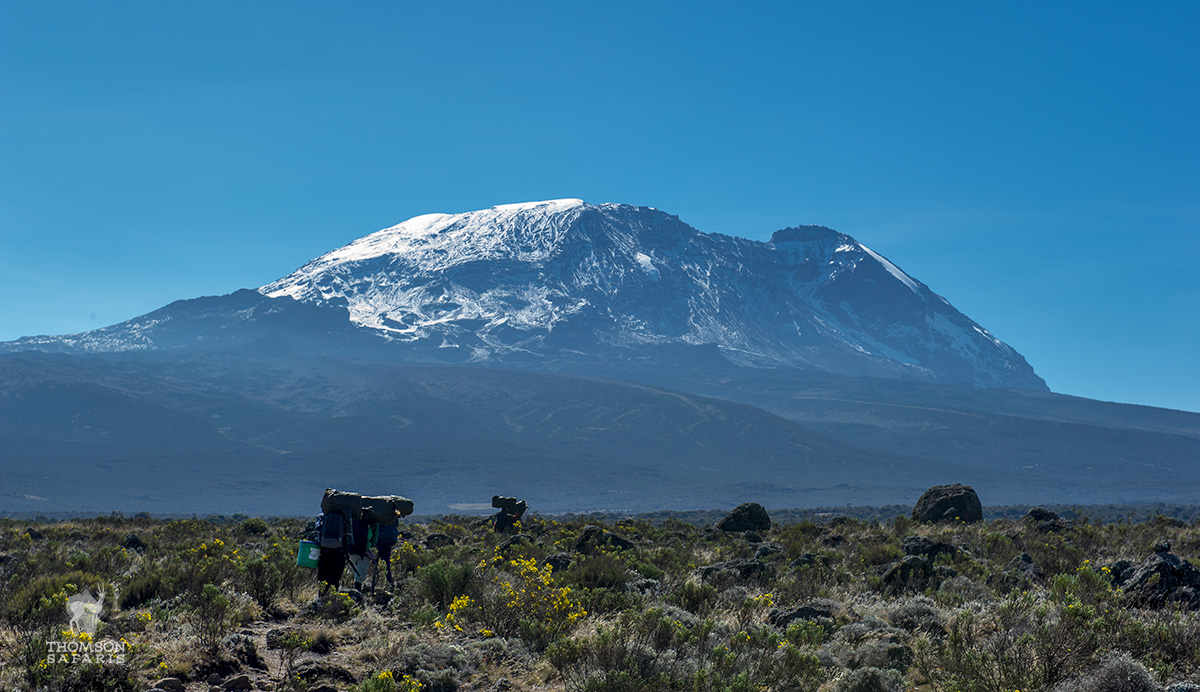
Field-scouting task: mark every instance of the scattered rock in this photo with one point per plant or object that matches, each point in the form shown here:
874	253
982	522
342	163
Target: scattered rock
169	684
744	568
748	516
1045	521
132	542
594	537
814	611
928	548
810	560
911	571
215	679
559	562
1024	566
1183	687
318	670
33	533
242	647
752	537
1162	546
832	539
955	502
516	539
645	585
1161	579
275	638
942	573
767	551
1040	514
1119	571
438	540
323	688
240	683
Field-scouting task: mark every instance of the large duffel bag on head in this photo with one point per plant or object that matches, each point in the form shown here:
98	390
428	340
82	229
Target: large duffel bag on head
340	501
386	507
403	505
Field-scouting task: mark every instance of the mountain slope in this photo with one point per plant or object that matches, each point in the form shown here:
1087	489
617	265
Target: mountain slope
173	433
528	282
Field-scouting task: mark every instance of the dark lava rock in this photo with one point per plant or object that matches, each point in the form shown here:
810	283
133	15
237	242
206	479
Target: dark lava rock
240	683
1024	566
132	542
323	688
814	611
912	571
33	533
594	537
810	560
516	539
744	568
169	685
243	649
920	545
748	516
438	540
752	537
955	502
832	540
318	670
275	638
1040	514
559	562
767	551
1161	579
1119	571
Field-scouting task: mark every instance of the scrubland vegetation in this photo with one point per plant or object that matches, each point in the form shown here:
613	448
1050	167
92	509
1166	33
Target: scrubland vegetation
847	605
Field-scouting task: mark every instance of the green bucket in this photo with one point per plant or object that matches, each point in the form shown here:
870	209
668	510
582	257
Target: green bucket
308	554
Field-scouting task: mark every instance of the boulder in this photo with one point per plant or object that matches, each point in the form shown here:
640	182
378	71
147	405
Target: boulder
515	539
438	540
239	683
1163	578
814	611
911	571
559	562
955	502
743	568
593	537
811	560
132	542
242	647
767	550
1024	566
748	516
33	533
169	684
926	547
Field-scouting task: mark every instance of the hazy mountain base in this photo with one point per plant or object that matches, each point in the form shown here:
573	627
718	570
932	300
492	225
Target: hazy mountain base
630	606
203	433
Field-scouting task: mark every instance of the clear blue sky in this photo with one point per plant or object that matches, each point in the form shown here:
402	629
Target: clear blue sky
1038	164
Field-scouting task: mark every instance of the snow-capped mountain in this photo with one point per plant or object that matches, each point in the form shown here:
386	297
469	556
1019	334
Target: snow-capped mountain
562	277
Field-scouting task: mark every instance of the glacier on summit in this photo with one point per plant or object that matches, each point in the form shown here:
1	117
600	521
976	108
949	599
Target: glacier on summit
521	282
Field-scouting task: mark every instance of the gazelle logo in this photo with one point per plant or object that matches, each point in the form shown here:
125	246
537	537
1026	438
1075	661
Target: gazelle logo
79	644
85	609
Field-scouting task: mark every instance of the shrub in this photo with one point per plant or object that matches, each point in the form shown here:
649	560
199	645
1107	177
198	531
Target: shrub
442	580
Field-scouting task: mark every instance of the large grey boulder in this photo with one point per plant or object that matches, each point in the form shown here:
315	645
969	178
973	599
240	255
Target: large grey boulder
1163	578
955	502
748	516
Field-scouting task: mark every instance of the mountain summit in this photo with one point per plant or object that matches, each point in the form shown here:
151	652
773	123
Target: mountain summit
522	282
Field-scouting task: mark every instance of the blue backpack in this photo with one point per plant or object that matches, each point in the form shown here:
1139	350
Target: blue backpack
389	535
